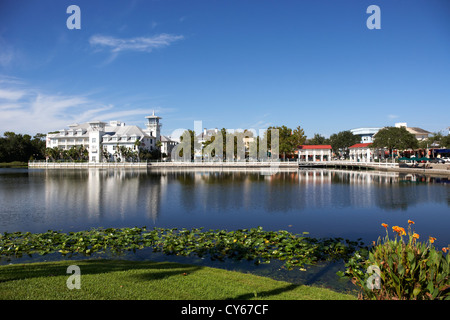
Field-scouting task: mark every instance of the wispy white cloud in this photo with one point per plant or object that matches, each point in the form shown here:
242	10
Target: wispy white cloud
7	53
261	123
29	110
11	95
392	116
144	44
141	44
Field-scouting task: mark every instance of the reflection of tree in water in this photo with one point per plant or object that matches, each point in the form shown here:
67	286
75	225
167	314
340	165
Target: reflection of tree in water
217	191
403	196
73	197
396	191
284	191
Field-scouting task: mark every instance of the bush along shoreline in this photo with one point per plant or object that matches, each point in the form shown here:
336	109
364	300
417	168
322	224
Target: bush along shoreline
401	268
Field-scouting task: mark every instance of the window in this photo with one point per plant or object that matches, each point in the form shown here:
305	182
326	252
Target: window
94	140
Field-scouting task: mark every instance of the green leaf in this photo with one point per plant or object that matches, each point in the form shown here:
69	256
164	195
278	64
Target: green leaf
401	269
416	291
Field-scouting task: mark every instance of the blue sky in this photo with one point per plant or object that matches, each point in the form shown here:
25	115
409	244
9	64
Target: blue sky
228	63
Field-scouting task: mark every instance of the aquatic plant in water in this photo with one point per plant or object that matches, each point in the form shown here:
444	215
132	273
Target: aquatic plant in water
256	244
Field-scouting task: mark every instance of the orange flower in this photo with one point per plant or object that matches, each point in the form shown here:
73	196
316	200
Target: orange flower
399	230
445	249
415	236
410	222
384	225
432	239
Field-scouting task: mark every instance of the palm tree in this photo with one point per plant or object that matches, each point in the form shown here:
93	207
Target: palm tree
105	154
137	147
123	152
117	153
53	153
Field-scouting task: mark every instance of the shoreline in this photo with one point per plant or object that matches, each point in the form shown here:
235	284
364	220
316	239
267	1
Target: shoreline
439	172
268	167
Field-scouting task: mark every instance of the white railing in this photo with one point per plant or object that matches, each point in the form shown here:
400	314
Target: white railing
350	163
249	164
68	165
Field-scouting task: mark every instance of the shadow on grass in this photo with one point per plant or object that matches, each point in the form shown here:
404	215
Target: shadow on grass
268	293
152	271
158	270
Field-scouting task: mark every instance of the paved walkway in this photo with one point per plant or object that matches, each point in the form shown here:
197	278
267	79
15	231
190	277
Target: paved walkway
433	168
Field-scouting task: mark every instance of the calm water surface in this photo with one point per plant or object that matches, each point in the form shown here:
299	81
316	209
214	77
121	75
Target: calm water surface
325	203
349	204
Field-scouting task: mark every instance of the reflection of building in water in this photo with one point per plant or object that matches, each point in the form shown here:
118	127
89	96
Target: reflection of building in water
343	187
152	192
103	194
125	196
203	192
63	191
113	200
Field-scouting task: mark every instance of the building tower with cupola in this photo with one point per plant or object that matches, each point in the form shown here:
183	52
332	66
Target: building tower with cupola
154	126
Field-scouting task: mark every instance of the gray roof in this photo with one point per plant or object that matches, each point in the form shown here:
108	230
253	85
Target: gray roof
109	130
416	130
125	131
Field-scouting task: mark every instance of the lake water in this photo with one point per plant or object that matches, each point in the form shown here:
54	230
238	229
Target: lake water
325	203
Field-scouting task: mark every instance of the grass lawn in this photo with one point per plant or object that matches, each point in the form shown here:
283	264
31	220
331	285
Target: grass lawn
14	164
131	280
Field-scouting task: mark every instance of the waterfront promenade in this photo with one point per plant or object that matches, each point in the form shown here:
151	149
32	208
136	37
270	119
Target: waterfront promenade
433	168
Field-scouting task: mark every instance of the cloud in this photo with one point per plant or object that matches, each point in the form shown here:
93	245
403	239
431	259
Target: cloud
11	95
144	44
29	110
392	116
7	53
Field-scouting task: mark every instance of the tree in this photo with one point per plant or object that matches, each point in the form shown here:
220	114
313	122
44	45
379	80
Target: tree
432	141
18	147
38	146
318	140
289	140
445	141
395	138
53	153
298	138
73	153
342	140
214	153
105	154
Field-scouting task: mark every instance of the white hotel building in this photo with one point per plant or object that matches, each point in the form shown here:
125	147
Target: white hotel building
98	136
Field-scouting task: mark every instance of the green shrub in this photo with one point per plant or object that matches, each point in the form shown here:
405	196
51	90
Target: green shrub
404	269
